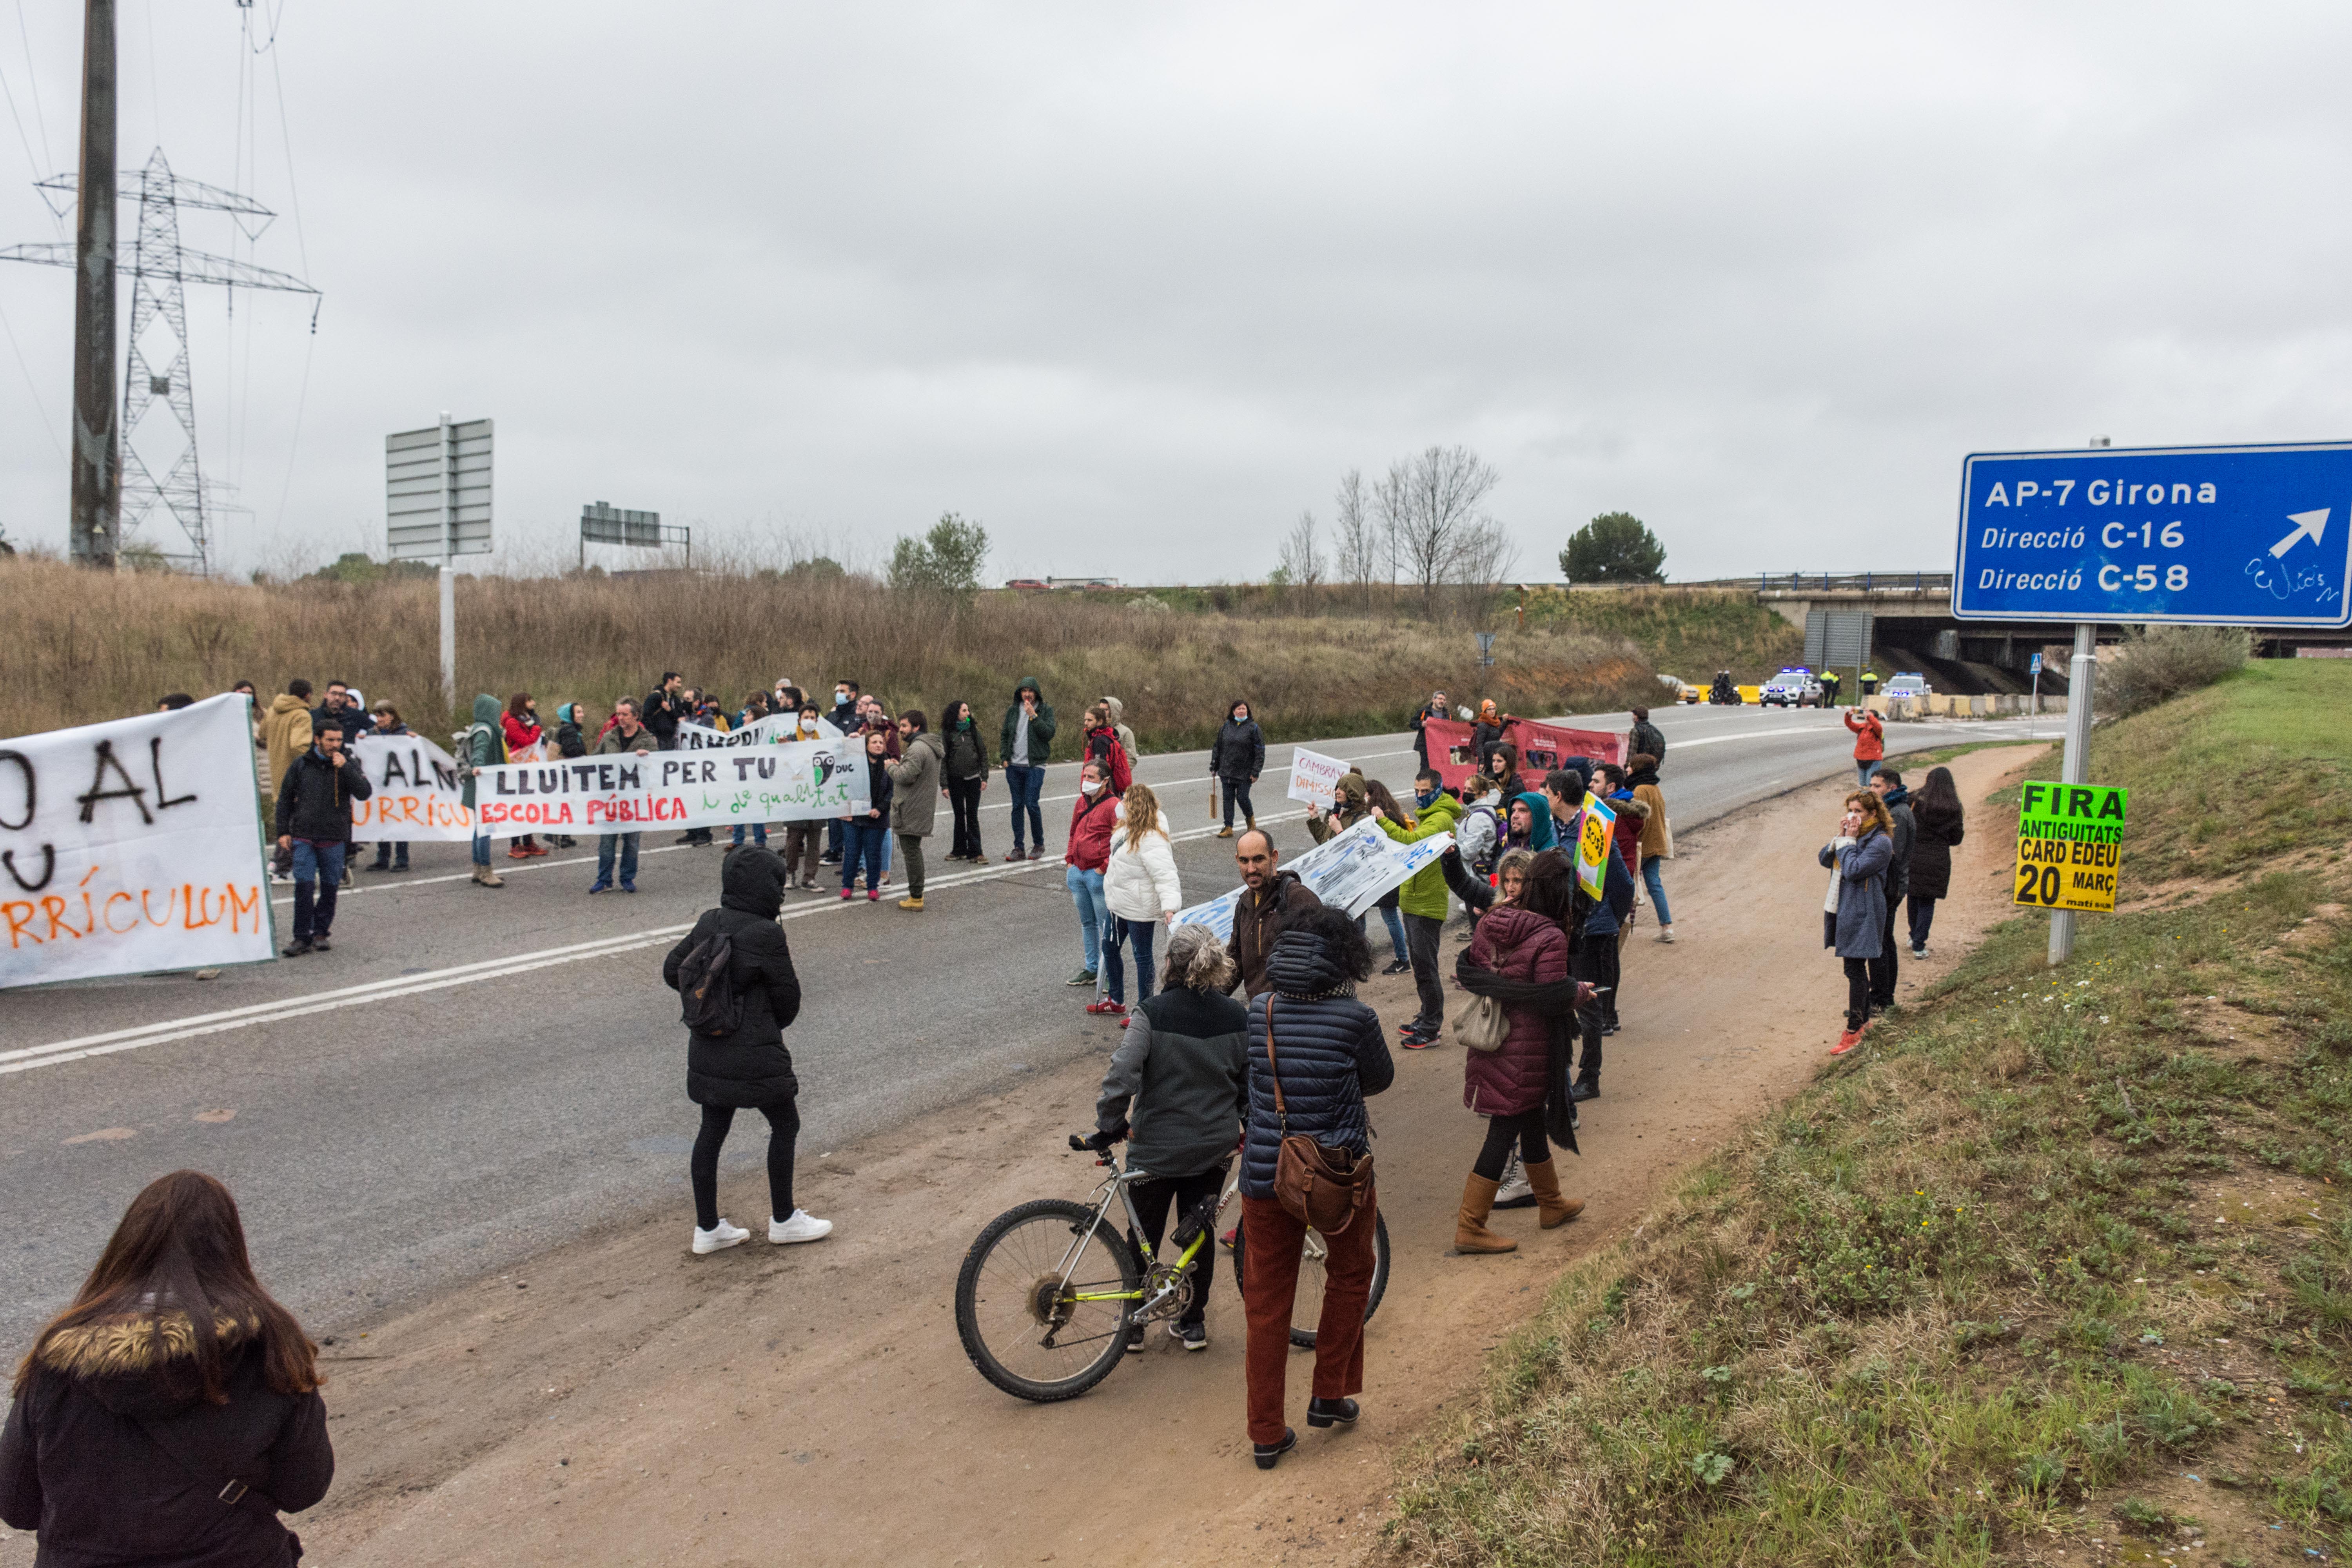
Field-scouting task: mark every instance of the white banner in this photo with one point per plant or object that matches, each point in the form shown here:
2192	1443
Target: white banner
1349	871
133	847
801	781
776	730
416	799
1315	778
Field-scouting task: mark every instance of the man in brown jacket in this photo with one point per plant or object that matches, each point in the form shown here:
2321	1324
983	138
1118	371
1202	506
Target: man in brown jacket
1271	899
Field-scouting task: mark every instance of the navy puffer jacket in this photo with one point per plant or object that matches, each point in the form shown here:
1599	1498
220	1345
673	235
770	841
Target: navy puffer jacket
1332	1052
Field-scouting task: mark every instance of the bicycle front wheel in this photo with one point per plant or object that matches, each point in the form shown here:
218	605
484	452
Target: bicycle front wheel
1017	1306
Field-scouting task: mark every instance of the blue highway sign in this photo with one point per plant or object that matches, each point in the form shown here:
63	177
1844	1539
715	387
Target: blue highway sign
2219	535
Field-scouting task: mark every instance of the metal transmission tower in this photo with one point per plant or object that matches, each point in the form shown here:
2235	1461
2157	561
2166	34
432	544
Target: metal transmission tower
159	268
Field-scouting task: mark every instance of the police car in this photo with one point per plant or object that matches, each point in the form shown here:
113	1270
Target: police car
1795	687
1912	684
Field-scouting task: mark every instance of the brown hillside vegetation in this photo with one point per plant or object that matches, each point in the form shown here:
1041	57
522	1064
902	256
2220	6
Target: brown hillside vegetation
82	647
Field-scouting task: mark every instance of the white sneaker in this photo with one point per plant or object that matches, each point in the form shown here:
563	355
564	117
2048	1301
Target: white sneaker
719	1240
1665	934
802	1226
1515	1192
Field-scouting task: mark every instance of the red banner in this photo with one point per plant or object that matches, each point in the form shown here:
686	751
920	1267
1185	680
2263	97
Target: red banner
1542	747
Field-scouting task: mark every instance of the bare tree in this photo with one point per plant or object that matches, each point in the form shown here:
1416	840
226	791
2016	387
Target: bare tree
1355	545
1302	556
1486	556
1428	512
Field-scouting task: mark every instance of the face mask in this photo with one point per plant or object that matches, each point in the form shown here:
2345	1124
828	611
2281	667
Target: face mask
1423	797
840	696
1091	787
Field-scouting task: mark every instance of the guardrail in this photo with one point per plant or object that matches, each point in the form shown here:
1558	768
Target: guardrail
1853	583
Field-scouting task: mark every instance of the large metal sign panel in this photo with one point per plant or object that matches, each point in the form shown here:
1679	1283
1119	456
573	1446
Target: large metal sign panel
437	490
604	525
2217	535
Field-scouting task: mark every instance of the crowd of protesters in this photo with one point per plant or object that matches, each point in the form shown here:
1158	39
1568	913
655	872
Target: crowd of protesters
1230	1045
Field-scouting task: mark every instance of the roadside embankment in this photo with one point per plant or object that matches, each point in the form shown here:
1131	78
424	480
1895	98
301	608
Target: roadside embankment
2057	1269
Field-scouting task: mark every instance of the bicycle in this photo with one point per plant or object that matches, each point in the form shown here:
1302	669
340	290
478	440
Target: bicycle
1048	1291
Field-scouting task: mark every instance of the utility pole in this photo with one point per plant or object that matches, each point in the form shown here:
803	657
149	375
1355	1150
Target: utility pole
93	527
2082	675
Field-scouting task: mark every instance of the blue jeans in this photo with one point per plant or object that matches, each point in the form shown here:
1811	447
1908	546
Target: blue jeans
759	833
319	865
1395	922
1027	786
863	840
1138	935
1863	771
627	845
1096	933
482	849
1651	880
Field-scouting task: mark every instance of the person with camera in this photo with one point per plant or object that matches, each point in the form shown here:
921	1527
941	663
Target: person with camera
1027	742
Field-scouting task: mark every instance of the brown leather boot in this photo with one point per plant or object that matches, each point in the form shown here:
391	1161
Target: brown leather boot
1470	1232
1556	1210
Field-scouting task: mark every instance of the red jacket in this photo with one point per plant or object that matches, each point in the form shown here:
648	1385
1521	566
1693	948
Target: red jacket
1518	944
1870	737
1104	744
1090	825
520	733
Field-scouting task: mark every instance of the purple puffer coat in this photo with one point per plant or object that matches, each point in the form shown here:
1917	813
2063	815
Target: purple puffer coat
1518	944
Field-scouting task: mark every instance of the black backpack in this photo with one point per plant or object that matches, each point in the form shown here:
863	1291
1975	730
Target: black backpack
708	1004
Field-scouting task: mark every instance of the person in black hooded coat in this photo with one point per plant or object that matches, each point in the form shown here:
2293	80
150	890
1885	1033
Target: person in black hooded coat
750	1068
1330	1052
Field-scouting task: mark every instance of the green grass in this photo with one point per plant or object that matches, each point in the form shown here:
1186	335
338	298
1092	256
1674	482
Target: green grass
1686	632
1962	1301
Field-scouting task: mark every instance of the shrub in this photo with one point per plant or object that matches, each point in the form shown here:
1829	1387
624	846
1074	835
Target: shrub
2160	663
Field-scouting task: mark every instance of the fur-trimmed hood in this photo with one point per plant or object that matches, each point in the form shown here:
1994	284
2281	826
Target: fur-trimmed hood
143	1363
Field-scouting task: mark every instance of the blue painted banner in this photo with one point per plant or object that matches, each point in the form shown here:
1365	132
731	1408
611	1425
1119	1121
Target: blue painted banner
2214	535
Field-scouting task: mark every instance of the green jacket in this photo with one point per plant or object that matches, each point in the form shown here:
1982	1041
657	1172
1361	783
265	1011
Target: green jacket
1424	891
484	743
1041	729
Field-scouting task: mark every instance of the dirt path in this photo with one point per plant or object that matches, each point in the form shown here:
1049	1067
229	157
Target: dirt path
623	1402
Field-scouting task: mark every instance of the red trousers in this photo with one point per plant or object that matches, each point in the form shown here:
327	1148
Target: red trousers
1269	1287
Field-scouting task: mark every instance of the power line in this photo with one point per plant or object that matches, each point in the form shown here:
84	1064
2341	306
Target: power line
30	384
33	84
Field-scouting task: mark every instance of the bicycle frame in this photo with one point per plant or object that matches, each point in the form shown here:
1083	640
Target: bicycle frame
1117	1185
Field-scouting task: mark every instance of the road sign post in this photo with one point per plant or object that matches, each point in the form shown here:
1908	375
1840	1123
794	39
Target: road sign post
2149	536
438	507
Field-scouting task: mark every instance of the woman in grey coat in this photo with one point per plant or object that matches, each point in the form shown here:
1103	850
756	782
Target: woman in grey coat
1854	915
1177	1088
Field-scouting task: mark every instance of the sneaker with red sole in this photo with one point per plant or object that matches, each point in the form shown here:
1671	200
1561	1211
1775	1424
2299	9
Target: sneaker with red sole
1847	1041
1108	1008
1418	1042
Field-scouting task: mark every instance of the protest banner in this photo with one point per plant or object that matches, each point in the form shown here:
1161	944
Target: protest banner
2069	844
773	730
1596	831
1540	749
1349	872
133	846
801	781
1315	778
417	796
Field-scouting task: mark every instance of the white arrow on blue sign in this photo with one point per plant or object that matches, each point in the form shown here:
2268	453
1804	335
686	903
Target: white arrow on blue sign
2212	535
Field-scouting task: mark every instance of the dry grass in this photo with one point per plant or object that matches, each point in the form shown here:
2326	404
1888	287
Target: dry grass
82	647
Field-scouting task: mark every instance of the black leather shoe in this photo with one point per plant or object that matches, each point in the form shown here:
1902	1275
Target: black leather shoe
320	943
1265	1454
1324	1411
1585	1088
295	948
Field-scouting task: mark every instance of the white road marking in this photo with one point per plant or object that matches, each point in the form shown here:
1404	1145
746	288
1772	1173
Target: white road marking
30	1056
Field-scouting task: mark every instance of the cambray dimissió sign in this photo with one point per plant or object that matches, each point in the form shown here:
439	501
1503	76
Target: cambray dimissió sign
2216	535
1315	778
132	846
2069	844
801	781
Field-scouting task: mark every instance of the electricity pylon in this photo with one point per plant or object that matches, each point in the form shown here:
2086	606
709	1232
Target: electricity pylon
159	268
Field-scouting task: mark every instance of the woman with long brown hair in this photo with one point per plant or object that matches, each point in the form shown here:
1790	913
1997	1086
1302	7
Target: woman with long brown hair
173	1345
1854	915
1141	889
523	738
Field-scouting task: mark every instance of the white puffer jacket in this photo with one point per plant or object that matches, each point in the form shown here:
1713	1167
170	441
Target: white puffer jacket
1141	884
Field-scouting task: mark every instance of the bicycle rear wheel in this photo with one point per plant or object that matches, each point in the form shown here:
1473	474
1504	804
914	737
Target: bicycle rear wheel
1018	1322
1307	1306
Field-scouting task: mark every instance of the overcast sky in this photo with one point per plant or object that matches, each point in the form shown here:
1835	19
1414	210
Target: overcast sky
1133	286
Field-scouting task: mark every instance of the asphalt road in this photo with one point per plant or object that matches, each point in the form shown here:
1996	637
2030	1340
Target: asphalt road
473	1075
